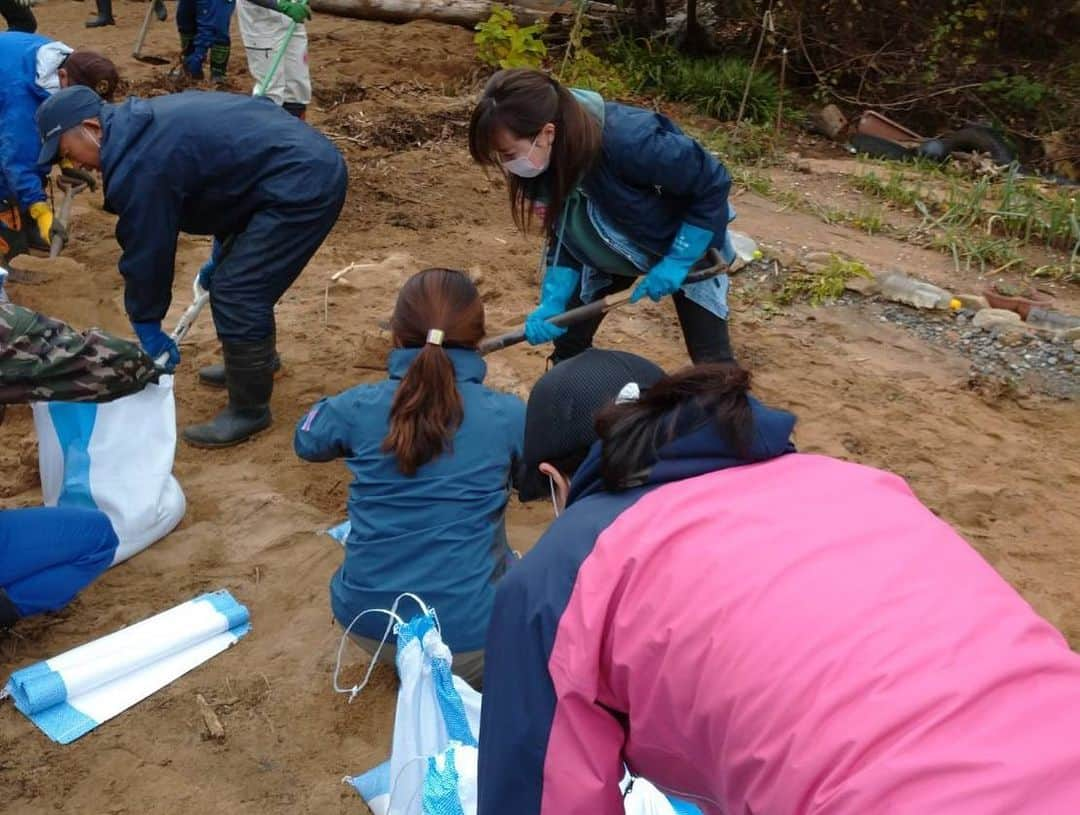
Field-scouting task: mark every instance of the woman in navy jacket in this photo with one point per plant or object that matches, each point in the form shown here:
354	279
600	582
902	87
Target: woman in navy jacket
621	193
432	451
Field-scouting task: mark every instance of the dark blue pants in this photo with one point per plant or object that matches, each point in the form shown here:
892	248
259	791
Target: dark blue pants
260	263
204	23
50	554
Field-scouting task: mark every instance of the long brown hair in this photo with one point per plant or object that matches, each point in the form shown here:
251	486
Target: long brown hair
631	434
521	101
427	407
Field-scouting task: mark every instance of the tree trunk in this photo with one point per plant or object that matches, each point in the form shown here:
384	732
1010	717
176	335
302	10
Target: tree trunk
465	13
693	30
659	14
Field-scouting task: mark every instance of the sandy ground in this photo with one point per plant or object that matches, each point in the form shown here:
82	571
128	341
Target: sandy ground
1003	468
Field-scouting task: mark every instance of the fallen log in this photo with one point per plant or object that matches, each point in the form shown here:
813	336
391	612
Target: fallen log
466	13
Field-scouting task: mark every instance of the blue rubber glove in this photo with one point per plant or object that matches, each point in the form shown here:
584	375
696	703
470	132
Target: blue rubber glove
559	286
690	245
208	268
193	64
156	342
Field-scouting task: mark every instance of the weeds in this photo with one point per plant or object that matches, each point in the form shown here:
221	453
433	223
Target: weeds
713	86
502	43
984	223
820	285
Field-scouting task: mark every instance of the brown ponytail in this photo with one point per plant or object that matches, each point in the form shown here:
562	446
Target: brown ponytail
427	408
632	433
521	101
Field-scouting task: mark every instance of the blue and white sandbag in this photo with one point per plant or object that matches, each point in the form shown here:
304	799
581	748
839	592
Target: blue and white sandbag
433	760
71	694
116	457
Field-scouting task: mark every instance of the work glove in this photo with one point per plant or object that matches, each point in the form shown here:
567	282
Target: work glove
193	66
691	243
559	286
156	342
207	270
41	212
73	173
296	11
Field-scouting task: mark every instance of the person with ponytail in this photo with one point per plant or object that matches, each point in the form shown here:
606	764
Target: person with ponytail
757	630
432	452
622	195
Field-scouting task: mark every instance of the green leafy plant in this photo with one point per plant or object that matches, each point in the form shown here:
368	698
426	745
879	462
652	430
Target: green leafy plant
502	43
823	284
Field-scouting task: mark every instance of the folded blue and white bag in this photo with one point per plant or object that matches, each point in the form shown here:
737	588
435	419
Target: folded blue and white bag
71	694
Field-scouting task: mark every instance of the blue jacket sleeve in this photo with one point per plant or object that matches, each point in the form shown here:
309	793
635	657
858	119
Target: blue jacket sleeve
148	211
19	146
519	704
323	433
660	155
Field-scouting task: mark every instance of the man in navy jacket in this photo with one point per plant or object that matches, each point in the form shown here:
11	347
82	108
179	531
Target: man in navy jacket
268	187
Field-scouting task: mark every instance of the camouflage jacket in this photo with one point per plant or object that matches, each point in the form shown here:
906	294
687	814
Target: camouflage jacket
42	359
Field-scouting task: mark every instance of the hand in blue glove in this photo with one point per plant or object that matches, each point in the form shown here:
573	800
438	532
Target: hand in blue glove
559	286
207	270
690	245
156	342
193	65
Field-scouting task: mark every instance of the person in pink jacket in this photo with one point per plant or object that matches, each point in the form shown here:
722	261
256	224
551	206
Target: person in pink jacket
763	632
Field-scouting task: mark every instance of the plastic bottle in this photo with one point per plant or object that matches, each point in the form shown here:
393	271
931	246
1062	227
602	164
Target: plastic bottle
900	288
1052	320
746	248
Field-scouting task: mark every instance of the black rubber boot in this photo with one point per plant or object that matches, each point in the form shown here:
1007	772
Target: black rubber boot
214	375
9	615
249	378
296	109
104	15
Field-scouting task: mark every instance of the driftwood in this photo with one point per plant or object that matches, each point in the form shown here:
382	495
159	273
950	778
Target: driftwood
214	728
465	13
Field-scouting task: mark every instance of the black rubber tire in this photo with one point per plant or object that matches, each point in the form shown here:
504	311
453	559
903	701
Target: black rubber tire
876	147
979	139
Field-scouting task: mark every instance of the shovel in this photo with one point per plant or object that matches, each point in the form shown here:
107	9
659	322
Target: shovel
63	217
200	297
609	303
154	8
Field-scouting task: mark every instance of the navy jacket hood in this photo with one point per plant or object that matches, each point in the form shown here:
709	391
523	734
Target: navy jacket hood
698	448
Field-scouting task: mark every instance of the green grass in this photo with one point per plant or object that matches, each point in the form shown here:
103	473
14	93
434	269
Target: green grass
819	286
712	85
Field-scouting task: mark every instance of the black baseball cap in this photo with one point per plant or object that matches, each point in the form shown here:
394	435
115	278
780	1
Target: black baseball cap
62	111
563	405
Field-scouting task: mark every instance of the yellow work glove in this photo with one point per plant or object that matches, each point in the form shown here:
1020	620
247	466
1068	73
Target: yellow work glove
42	215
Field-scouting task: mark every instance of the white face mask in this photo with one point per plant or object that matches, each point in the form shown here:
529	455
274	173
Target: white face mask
522	167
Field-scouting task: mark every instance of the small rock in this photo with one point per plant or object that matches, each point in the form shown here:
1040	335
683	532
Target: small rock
828	121
1010	335
1073	334
990	317
865	286
1076	346
974	302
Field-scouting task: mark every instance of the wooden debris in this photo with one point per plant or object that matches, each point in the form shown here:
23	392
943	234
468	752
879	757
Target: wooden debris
215	730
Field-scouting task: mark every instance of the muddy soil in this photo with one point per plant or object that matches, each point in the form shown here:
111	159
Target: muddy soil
1002	466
